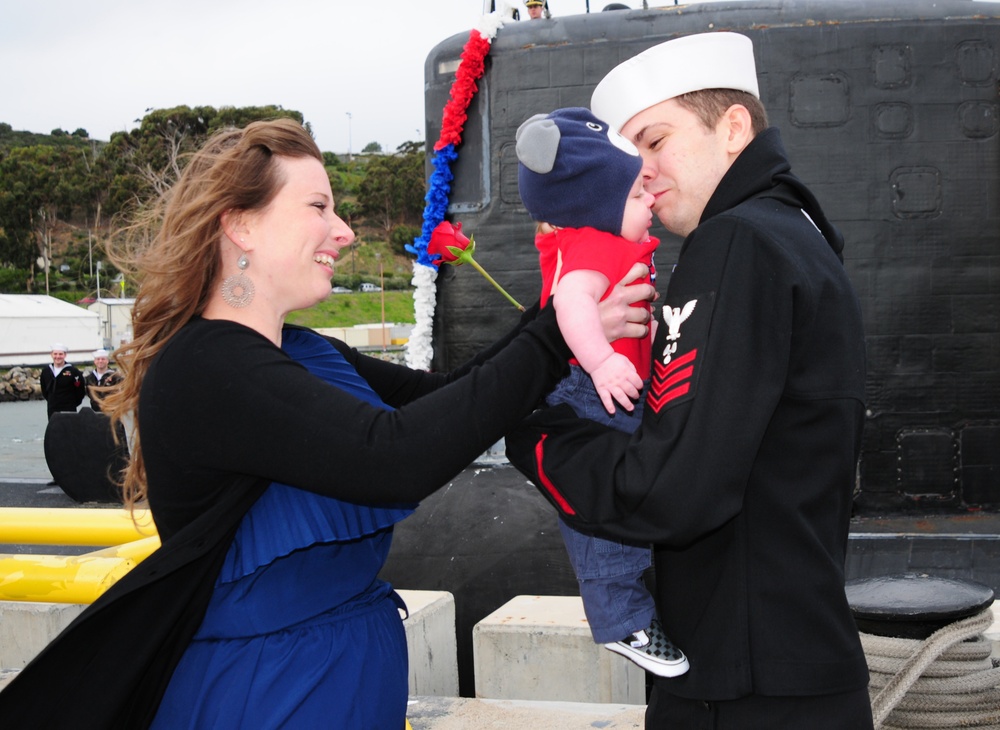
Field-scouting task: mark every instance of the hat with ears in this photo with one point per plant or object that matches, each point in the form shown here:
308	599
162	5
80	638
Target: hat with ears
720	60
574	170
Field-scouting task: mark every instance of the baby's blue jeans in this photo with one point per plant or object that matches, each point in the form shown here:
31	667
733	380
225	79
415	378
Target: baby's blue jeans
609	572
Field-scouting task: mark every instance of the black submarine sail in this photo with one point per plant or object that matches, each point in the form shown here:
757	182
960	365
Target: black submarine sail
890	112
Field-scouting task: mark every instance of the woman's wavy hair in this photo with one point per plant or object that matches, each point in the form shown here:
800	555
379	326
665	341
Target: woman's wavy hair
171	250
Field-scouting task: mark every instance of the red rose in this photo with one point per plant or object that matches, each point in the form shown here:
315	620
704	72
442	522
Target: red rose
448	242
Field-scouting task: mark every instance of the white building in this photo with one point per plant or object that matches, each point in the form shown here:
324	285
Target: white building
31	323
116	321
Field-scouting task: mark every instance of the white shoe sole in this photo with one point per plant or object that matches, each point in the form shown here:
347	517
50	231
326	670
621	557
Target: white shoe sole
658	667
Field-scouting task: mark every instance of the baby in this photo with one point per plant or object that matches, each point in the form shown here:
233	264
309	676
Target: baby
582	182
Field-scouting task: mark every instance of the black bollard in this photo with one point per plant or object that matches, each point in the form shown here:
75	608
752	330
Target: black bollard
82	456
913	606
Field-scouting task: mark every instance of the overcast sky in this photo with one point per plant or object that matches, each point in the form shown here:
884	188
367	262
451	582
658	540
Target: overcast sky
100	64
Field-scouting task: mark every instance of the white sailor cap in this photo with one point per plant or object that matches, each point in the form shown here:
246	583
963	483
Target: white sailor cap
720	60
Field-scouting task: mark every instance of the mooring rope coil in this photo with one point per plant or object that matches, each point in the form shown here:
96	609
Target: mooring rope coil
948	680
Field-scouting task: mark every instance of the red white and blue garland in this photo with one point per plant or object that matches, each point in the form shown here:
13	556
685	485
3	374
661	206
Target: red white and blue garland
419	349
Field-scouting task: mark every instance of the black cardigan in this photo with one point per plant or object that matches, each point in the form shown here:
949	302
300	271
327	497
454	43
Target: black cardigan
742	471
110	667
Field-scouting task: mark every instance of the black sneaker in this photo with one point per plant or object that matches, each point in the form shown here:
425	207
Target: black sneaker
653	651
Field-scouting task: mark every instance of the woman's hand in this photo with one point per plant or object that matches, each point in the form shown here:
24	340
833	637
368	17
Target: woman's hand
618	317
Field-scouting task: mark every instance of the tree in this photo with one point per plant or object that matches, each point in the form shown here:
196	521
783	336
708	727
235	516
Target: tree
47	182
412	147
348	210
393	188
402	236
39	184
149	159
371	148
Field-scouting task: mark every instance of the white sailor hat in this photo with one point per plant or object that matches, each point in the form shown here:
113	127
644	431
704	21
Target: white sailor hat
720	60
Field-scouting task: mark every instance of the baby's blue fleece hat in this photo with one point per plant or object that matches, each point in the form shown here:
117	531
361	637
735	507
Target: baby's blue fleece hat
575	171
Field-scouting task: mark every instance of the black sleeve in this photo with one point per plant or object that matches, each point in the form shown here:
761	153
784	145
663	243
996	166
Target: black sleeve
398	385
45	380
231	402
682	474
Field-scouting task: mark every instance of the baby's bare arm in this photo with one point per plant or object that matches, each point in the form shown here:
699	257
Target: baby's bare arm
576	302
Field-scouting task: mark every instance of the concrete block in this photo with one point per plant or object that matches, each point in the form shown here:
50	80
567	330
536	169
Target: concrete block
465	713
379	336
540	648
431	643
6	675
338	332
355	337
26	627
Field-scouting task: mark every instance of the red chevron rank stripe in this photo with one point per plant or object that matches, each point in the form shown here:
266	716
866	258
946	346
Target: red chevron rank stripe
671	380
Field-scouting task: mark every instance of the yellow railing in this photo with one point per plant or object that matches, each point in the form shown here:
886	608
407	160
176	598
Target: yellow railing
75	578
71	578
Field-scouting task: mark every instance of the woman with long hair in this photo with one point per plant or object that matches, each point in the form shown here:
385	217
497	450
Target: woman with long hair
274	462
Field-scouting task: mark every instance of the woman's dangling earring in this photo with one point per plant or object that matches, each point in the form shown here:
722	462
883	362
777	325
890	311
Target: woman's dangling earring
237	290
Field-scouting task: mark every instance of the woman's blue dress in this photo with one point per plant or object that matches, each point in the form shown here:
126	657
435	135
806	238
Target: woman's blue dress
300	632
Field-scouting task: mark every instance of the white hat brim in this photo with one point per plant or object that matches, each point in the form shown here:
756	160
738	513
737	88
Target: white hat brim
721	60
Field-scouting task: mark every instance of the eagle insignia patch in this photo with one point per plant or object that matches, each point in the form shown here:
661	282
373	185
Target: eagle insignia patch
673	317
673	375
